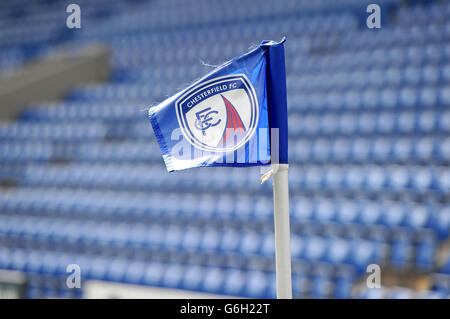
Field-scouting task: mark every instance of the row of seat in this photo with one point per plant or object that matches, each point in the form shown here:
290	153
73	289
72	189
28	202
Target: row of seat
400	293
405	150
329	21
151	177
142	176
123	92
404	47
387	213
226	281
126	58
52	131
101	204
169	255
368	99
352	99
127	151
318	38
434	32
302	150
217	53
369	122
357	252
374	79
155	74
27	34
191	18
379	58
42	292
326	150
343	80
216	235
372	177
95	112
396	35
366	149
47	123
11	152
437	11
346	109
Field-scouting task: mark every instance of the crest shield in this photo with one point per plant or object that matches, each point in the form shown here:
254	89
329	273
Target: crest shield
219	115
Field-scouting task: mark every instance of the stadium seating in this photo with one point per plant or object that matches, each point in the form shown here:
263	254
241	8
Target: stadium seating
369	128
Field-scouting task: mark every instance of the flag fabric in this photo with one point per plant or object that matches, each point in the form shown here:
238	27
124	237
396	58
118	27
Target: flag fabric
230	116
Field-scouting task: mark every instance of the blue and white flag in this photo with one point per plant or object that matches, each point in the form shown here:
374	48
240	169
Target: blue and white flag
234	116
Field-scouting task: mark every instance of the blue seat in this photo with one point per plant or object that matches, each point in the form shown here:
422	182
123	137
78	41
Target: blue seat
315	248
343	283
117	270
381	150
303	209
99	268
231	240
364	252
297	246
191	239
401	249
173	237
442	180
210	239
406	122
173	276
347	212
257	284
394	214
426	250
398	177
338	251
370	213
442	221
234	282
213	281
154	273
419	217
268	245
325	211
251	243
321	283
193	278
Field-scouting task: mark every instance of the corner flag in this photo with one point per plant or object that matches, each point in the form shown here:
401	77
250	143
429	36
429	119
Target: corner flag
226	117
236	116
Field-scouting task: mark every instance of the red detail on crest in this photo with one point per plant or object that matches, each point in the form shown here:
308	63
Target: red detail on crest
234	122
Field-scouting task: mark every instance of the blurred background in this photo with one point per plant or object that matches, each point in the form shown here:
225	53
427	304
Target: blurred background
82	180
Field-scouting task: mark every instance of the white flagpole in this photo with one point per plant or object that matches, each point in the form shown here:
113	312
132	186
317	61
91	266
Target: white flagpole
276	84
282	232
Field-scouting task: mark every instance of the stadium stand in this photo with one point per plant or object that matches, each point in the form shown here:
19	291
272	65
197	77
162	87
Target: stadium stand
369	123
